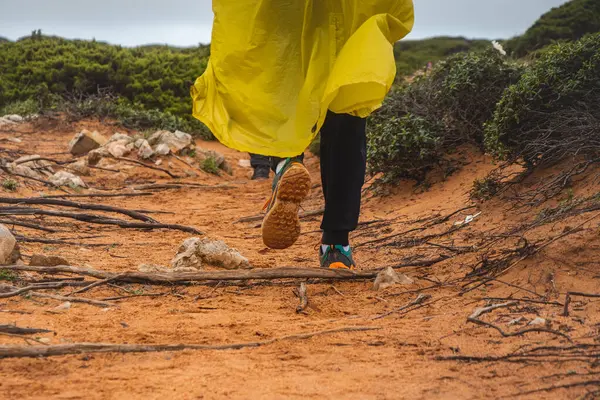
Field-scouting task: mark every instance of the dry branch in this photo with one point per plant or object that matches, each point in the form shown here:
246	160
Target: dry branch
95	284
27	225
474	318
131	160
568	300
81	206
33	287
229	275
301	293
79	348
159	186
96	219
96	303
15	330
421	298
99	195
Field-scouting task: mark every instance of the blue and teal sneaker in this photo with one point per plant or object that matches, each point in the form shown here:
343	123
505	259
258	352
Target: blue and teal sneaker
281	225
335	257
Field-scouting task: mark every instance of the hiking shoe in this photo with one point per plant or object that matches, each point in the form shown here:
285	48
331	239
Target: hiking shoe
281	225
261	173
335	257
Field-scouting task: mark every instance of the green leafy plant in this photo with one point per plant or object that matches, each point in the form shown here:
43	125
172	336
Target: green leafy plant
209	164
6	275
10	184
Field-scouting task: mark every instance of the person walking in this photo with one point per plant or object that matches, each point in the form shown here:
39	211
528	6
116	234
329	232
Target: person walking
282	72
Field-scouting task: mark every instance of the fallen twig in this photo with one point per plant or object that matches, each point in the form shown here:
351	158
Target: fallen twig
131	160
21	331
96	303
27	225
474	318
301	293
95	284
100	195
96	219
568	300
33	287
79	348
226	275
421	298
81	206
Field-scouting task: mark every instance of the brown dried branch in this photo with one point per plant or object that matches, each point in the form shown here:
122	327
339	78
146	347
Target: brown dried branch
568	300
79	348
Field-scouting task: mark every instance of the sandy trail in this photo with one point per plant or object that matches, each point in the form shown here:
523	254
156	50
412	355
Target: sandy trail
399	360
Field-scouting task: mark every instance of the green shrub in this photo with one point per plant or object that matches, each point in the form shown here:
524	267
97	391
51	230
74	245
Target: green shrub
421	122
22	108
485	189
210	165
554	109
315	146
10	185
569	22
7	275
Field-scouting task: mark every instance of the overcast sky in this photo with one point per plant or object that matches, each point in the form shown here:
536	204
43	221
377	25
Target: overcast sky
188	22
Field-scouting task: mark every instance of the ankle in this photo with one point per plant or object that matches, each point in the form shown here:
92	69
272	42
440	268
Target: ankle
336	238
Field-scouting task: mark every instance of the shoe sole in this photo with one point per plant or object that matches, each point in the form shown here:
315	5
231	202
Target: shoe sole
281	225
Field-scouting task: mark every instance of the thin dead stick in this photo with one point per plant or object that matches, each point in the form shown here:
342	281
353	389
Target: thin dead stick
27	225
301	294
30	288
551	303
28	239
259	217
96	303
25	338
131	160
97	219
95	284
421	298
478	312
186	163
81	206
227	275
568	300
57	196
595	383
104	169
135	295
535	251
474	318
21	331
79	348
16	312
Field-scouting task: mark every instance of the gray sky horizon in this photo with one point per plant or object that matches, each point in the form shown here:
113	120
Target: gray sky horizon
189	22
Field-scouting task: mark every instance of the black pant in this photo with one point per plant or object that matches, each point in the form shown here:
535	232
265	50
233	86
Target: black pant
343	167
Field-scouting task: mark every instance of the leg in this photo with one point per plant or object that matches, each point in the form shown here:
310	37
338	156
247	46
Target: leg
261	166
343	167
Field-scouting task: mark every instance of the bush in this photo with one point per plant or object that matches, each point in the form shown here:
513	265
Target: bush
554	109
210	165
10	185
151	77
22	108
569	22
421	122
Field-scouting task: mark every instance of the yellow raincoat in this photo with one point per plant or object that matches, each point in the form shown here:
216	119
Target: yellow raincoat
277	66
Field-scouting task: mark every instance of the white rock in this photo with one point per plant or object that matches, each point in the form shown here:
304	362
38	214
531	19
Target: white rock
538	321
517	321
81	168
45	340
390	277
7	245
162	149
33	161
64	178
121	137
244	163
5	121
15	140
139	142
117	149
86	141
194	252
63	307
14	118
145	151
19	169
176	141
158	162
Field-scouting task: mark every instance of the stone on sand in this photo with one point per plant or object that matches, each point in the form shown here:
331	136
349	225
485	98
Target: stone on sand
86	141
195	252
390	277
